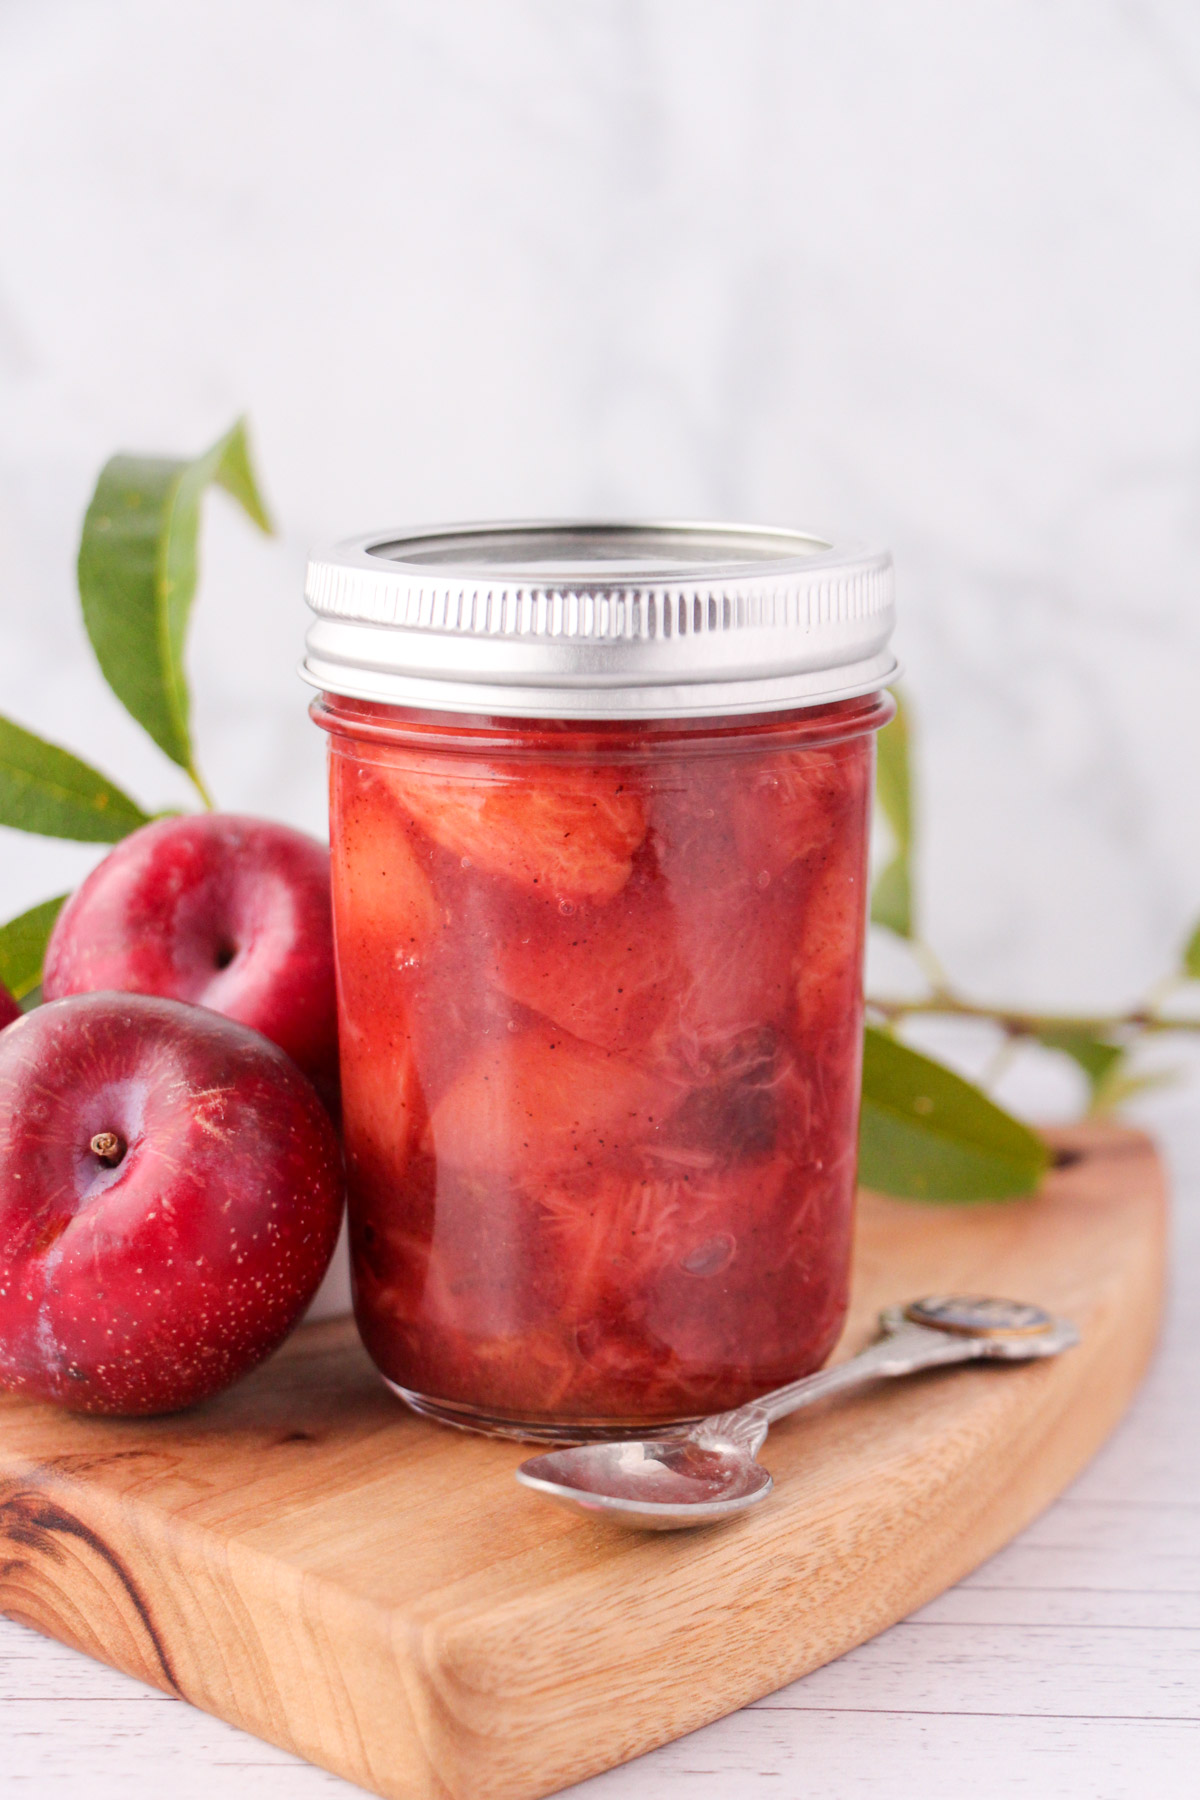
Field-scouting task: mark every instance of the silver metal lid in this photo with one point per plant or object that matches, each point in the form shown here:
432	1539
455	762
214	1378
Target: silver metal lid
599	621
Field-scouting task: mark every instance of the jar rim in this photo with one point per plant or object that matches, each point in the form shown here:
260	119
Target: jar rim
599	740
599	618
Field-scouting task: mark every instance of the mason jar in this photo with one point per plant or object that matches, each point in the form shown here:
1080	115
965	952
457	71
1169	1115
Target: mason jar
599	810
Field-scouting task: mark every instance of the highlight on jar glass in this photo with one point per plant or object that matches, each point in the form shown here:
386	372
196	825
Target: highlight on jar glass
600	800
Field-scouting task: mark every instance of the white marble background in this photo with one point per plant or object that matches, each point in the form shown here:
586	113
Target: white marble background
924	271
926	274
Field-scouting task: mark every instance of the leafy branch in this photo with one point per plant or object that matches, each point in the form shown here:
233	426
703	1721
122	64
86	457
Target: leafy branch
1100	1044
138	570
23	947
926	1133
137	579
929	1135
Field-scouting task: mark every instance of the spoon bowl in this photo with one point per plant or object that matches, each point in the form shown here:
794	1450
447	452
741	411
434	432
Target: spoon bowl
645	1483
709	1471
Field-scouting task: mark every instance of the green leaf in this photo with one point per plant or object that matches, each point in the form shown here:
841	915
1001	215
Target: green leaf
1191	955
892	898
1104	1064
45	789
1096	1056
138	572
926	1134
1119	1087
23	946
235	473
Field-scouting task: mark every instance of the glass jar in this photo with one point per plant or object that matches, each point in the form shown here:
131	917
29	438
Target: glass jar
599	963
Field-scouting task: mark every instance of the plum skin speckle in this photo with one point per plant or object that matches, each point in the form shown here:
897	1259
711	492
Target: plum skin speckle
224	911
135	1259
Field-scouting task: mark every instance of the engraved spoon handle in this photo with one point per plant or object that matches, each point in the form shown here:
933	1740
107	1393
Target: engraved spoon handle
902	1352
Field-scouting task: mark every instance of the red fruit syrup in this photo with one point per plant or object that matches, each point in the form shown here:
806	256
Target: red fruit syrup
601	1020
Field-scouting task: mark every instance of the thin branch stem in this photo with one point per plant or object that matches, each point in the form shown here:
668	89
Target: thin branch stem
1163	989
999	1064
941	1002
1023	1024
198	782
930	965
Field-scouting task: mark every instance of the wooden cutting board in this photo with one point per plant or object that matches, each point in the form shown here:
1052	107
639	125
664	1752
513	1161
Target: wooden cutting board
308	1560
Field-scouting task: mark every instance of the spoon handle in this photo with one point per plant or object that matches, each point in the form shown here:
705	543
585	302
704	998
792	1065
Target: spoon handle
901	1352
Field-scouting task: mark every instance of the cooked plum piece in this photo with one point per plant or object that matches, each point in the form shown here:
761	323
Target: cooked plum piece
605	973
601	1028
791	806
386	908
569	832
539	1100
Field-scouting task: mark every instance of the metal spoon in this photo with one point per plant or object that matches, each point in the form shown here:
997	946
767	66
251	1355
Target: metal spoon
709	1472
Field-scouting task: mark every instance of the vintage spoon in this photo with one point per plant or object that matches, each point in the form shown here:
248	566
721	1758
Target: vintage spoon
709	1472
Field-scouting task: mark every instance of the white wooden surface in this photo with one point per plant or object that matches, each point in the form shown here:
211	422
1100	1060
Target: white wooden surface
1068	1668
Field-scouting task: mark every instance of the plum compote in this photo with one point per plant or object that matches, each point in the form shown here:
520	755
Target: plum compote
600	1020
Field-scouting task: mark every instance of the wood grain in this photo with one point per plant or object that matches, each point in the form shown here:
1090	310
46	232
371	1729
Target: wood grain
307	1560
